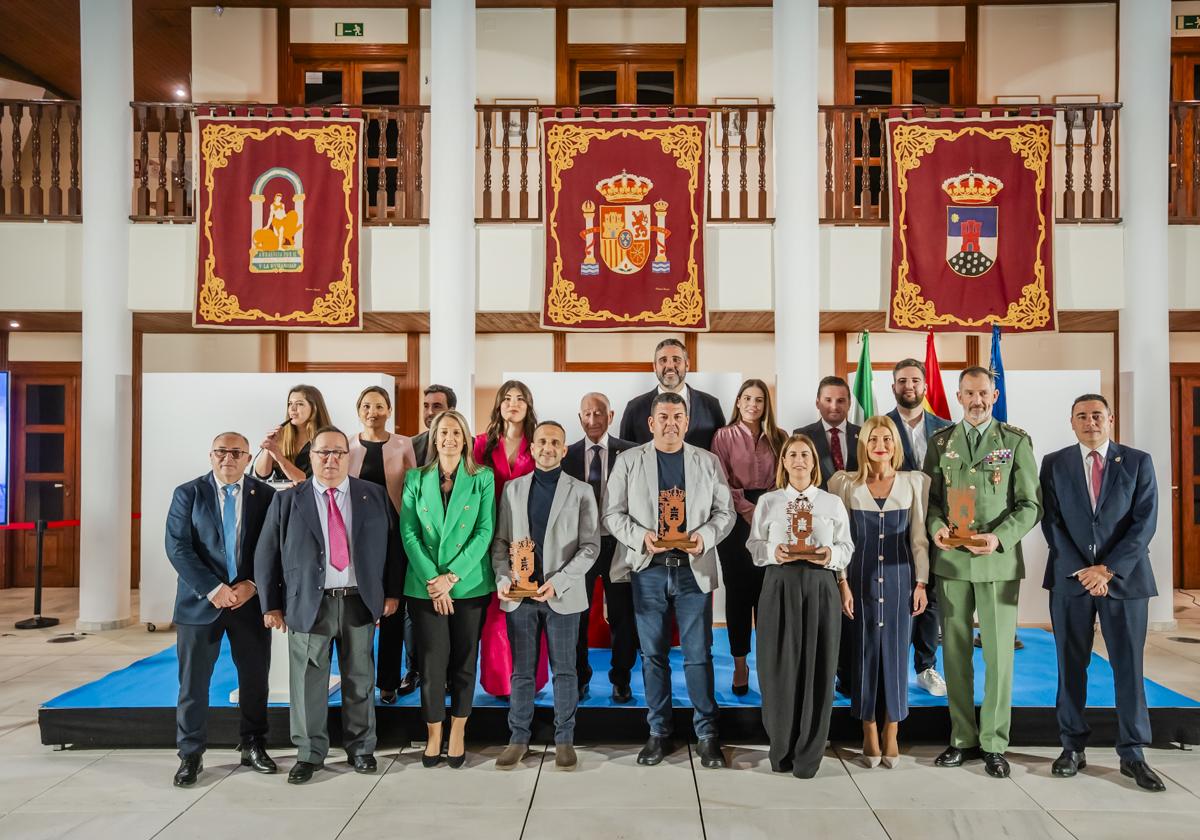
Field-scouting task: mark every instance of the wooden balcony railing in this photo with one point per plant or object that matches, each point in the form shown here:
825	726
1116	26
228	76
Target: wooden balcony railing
855	172
508	159
1184	184
395	169
39	177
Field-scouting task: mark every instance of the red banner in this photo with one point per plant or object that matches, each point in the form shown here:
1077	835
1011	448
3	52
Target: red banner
625	207
972	224
278	212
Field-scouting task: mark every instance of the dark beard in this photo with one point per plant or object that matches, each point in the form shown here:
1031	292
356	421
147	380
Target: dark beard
907	405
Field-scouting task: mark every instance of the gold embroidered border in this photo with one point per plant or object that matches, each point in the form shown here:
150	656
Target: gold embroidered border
910	309
339	142
564	141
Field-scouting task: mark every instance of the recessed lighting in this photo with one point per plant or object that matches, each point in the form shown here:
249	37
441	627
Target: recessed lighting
181	93
14	325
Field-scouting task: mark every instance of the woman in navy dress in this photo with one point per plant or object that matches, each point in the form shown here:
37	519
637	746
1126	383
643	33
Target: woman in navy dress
884	586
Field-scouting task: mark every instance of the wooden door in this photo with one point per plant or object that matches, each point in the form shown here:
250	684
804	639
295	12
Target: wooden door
634	82
1184	184
1185	473
45	472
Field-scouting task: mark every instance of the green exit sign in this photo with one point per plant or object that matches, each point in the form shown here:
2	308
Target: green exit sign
1187	21
348	30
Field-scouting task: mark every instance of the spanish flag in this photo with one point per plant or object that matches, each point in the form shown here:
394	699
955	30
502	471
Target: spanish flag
935	394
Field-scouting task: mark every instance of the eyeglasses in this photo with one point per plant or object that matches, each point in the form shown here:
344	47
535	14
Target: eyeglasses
235	454
330	454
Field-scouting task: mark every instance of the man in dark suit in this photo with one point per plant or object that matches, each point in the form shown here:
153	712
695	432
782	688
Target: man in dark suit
916	425
671	368
342	572
835	438
436	399
1101	503
212	529
591	460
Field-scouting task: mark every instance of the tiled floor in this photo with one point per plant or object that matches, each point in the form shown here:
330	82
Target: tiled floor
127	794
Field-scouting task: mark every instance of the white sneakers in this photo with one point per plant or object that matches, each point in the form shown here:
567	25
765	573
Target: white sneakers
932	681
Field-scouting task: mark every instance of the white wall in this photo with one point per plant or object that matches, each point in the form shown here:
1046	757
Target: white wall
915	23
733	54
40	265
514	54
234	55
317	26
45	347
627	26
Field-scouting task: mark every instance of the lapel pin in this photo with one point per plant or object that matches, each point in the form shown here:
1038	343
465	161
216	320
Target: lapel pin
1117	459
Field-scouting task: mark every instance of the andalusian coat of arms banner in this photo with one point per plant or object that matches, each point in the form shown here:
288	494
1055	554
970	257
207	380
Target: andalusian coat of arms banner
625	206
972	224
278	211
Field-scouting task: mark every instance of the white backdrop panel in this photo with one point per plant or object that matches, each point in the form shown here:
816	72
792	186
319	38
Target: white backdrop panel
181	413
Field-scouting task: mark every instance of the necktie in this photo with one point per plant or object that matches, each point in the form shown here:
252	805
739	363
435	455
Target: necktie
339	548
594	474
835	449
229	526
1097	476
973	436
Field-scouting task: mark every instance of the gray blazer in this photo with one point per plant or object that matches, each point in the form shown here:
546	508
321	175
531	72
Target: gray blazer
571	544
631	509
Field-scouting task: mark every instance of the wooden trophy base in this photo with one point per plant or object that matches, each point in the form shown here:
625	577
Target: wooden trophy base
795	552
515	594
964	540
682	545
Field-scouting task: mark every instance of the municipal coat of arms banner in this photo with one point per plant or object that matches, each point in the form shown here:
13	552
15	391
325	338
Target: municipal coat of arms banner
278	210
972	224
625	206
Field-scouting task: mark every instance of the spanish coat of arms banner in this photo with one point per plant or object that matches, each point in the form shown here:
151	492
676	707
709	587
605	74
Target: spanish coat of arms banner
972	224
625	207
278	223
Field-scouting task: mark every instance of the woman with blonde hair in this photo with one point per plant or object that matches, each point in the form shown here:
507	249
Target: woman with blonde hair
799	620
447	519
284	455
884	585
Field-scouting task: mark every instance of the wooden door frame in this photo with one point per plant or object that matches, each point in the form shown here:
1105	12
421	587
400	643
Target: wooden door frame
1179	371
905	53
354	56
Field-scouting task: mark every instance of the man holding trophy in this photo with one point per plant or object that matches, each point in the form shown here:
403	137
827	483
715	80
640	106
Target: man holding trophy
547	538
668	506
983	498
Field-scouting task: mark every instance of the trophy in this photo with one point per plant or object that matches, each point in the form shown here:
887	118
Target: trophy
960	504
521	555
800	531
672	521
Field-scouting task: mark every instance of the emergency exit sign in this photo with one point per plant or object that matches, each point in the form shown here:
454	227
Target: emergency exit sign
348	30
1187	21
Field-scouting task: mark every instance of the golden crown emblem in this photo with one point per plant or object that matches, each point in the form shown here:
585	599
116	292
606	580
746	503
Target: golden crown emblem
972	188
624	188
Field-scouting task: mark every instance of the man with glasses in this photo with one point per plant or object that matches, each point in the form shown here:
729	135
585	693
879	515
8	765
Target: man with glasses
343	573
212	529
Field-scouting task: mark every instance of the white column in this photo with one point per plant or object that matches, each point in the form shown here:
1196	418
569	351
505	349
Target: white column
797	297
106	53
1145	60
452	199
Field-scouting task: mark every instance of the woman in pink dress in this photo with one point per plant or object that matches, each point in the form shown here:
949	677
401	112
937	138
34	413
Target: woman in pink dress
505	448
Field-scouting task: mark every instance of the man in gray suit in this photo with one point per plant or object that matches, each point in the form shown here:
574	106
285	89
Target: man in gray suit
642	485
559	514
328	566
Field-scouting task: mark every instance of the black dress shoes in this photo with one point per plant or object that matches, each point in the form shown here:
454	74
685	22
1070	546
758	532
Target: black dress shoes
301	772
1068	763
364	763
410	683
254	756
428	760
456	761
710	753
189	768
955	756
740	690
654	752
622	693
996	765
1141	773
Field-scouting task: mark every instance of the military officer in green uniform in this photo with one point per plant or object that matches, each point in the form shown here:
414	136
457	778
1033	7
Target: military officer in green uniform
996	461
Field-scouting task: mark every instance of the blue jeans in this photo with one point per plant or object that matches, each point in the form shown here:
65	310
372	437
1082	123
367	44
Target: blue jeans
655	590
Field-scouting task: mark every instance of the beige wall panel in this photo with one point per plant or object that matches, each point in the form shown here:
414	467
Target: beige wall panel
233	55
916	23
380	26
734	54
514	54
627	26
497	353
45	347
1185	347
347	347
210	353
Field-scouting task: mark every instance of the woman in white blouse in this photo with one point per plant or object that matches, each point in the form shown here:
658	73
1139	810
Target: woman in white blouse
799	611
884	585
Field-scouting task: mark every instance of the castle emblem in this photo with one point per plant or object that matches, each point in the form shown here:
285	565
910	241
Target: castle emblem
972	223
277	241
625	229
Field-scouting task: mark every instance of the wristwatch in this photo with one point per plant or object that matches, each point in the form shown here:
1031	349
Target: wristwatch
453	578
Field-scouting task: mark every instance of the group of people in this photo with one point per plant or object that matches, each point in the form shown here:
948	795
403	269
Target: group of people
912	527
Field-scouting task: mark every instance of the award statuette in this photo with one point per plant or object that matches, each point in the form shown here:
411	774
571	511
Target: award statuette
960	507
800	531
520	554
672	520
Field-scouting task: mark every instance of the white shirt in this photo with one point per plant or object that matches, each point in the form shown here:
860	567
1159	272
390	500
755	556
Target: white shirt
831	526
1087	466
841	427
916	437
237	505
335	579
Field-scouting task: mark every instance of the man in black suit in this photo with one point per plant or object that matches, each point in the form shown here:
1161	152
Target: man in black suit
591	460
835	438
436	399
703	410
343	572
212	529
1101	503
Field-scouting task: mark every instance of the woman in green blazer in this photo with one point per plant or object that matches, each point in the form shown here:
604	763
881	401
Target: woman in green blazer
446	521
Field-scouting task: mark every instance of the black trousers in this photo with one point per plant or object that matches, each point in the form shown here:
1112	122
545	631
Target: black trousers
198	646
621	621
447	651
743	583
395	649
925	630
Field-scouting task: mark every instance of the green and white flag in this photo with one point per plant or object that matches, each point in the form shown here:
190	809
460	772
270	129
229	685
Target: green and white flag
863	393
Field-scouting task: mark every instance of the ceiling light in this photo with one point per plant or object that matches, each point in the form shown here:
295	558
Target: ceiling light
218	10
14	325
181	93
